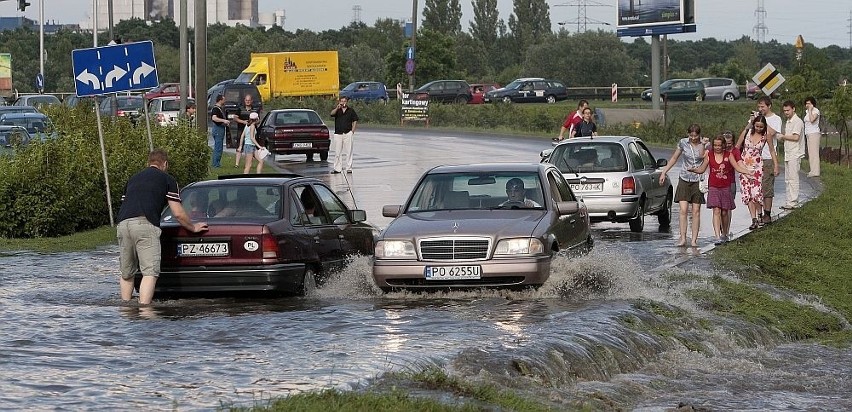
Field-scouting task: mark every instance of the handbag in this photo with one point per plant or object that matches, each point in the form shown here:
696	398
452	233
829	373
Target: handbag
703	184
261	153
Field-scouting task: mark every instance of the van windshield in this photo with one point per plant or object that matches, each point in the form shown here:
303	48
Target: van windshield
244	77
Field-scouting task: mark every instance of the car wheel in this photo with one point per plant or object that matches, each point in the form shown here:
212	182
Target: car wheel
637	224
324	155
699	97
729	97
664	216
310	157
507	99
461	100
309	282
590	244
551	99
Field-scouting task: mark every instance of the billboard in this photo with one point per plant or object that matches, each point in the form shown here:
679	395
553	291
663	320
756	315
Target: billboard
648	13
5	71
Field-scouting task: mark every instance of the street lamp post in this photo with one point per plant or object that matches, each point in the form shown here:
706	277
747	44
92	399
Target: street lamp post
41	39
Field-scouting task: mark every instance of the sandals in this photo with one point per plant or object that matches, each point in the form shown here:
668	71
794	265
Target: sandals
755	223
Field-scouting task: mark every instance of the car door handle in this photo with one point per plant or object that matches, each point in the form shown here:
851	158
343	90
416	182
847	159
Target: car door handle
316	239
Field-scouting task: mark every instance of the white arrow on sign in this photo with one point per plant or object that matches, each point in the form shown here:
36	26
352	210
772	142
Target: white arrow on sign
86	77
143	70
114	74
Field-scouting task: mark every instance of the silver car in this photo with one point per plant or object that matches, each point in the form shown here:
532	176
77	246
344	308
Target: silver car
166	110
719	88
617	178
482	225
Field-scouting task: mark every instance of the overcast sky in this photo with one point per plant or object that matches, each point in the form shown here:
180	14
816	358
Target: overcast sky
821	22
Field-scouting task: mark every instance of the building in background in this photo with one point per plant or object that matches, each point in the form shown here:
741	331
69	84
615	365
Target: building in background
229	12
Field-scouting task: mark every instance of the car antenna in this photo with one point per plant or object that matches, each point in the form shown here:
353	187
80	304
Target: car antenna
349	188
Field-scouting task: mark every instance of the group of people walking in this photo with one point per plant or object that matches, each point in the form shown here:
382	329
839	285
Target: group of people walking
754	156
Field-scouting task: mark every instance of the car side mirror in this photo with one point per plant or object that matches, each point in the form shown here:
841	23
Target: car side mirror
545	153
662	163
358	215
391	210
567	208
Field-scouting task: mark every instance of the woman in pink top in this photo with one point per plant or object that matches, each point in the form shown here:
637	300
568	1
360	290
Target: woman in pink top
722	164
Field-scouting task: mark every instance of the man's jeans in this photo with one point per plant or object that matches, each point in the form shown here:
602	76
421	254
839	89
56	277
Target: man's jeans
218	144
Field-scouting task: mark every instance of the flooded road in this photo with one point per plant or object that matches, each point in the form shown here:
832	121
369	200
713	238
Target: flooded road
67	343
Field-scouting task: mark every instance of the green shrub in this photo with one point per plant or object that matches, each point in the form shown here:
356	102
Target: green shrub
57	187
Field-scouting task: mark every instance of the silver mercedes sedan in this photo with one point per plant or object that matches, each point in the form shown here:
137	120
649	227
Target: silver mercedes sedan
480	225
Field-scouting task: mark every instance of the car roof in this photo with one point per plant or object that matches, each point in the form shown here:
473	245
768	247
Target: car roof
291	110
12	115
601	139
489	168
527	79
253	180
171	98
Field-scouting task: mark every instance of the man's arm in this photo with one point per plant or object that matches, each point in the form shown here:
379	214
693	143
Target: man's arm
183	218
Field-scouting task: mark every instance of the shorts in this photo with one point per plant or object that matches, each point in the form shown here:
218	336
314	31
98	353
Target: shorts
688	192
139	244
248	148
767	184
720	197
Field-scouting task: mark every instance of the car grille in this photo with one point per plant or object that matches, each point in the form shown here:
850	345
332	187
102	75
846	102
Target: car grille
449	249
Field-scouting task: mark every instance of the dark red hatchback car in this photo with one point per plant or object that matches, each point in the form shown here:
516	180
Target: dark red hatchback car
295	131
276	233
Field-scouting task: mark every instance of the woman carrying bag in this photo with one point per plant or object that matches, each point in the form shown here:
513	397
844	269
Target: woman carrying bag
250	147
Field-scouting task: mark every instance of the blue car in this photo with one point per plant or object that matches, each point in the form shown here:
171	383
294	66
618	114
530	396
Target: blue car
38	125
366	91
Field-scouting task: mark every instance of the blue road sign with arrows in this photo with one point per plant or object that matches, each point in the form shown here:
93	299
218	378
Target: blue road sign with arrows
116	68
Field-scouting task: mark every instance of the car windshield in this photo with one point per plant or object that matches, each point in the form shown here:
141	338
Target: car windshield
173	105
244	77
128	103
40	100
477	190
514	85
296	117
350	87
589	157
32	124
210	203
10	136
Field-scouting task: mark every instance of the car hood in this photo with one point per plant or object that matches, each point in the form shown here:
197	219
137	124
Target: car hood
489	223
501	91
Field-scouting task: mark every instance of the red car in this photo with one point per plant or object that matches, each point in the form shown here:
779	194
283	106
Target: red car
478	90
295	131
166	89
267	233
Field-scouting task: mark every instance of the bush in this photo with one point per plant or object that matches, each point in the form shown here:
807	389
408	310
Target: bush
57	187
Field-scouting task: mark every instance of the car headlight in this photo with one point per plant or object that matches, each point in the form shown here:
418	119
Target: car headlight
395	249
522	246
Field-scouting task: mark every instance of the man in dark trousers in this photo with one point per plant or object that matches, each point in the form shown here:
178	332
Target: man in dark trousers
220	122
345	122
146	195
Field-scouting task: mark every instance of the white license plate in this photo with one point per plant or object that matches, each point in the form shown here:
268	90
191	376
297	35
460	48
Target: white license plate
453	272
202	249
303	145
587	187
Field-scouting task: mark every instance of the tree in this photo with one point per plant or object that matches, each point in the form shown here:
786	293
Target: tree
485	22
443	16
529	23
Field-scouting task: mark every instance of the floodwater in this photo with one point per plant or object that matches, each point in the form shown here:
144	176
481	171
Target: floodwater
66	342
590	333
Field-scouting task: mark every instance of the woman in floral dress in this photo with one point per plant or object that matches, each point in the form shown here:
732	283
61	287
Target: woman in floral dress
752	193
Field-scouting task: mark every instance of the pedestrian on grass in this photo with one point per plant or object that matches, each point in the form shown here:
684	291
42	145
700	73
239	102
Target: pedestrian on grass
812	134
755	140
249	145
146	195
792	134
217	116
345	123
688	194
242	118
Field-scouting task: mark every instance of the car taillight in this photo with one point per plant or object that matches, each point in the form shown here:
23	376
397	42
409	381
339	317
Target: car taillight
269	246
119	113
628	186
161	117
279	133
322	134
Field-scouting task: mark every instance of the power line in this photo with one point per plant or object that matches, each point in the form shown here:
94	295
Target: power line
583	21
760	28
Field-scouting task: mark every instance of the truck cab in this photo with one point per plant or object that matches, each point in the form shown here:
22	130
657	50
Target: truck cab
257	73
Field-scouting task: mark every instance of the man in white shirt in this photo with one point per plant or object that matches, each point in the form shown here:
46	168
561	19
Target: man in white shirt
794	150
770	170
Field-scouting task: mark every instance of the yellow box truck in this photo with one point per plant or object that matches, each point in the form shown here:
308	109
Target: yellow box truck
293	74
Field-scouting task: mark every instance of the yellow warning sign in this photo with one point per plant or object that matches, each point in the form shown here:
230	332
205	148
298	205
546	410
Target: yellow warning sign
768	79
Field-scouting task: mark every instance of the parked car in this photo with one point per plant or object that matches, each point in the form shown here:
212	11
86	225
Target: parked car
11	137
267	233
478	90
38	125
678	89
167	110
447	91
73	101
295	131
460	229
529	89
719	88
17	109
167	89
130	107
617	177
754	92
36	100
366	91
217	88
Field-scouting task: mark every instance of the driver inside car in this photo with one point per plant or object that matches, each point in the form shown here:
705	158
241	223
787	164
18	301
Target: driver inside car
517	195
